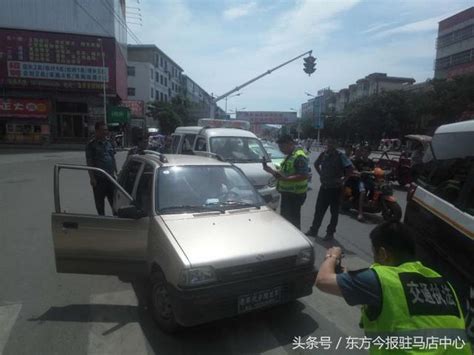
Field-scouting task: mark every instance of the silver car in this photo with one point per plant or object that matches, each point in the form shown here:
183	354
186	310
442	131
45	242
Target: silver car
198	229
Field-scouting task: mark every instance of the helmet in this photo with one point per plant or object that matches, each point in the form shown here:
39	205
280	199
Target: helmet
378	172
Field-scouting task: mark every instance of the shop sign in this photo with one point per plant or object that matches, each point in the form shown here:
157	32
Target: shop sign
137	107
118	115
24	108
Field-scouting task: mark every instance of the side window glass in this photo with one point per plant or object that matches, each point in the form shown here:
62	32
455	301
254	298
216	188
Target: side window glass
130	176
201	145
144	190
175	144
188	143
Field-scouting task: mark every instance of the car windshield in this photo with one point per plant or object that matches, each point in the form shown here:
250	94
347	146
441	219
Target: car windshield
274	151
203	188
238	149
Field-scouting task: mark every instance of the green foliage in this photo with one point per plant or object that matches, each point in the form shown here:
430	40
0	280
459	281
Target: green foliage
170	115
397	113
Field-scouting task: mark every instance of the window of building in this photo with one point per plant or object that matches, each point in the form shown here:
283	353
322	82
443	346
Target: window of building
166	82
161	61
151	92
131	71
166	98
157	94
161	96
131	91
161	79
157	77
152	74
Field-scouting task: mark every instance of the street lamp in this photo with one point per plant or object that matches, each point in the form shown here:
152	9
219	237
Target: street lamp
103	80
227	97
298	128
308	94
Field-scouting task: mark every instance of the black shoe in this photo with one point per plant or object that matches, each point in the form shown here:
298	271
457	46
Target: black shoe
328	237
312	233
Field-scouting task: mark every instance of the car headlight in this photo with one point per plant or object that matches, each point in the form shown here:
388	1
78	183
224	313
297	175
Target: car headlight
272	182
197	276
305	256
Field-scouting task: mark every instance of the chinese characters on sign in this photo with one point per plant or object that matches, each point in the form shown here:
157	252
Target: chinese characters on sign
137	107
58	61
385	343
24	108
57	72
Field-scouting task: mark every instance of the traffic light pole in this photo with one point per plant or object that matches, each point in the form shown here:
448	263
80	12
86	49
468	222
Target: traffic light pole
238	88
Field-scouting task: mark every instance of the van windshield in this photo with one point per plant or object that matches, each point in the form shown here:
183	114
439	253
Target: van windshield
238	149
203	188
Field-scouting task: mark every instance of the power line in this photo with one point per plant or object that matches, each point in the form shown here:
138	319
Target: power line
93	18
121	21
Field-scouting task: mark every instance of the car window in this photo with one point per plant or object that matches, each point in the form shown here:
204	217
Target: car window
188	143
175	143
130	175
181	188
238	149
201	145
446	178
144	190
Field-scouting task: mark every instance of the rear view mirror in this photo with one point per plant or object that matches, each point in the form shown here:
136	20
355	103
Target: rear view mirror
131	212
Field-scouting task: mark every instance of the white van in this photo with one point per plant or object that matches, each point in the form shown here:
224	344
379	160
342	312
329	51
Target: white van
237	146
440	208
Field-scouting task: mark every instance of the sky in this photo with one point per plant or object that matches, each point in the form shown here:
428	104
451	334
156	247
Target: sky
221	44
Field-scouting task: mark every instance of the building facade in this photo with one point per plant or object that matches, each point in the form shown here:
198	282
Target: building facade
318	107
152	75
455	45
57	58
374	83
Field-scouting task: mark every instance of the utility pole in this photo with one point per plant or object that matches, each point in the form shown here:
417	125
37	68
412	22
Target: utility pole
238	88
103	81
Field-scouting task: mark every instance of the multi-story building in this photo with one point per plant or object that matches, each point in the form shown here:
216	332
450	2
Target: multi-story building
152	75
198	97
57	57
374	83
318	107
455	45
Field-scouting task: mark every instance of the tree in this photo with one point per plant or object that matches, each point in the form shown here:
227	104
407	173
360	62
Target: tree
164	113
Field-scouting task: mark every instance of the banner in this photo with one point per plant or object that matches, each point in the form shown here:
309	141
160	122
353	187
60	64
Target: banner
24	108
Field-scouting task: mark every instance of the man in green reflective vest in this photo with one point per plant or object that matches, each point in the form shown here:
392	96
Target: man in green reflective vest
407	307
292	179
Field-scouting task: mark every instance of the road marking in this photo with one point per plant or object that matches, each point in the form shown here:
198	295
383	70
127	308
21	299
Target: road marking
8	316
115	329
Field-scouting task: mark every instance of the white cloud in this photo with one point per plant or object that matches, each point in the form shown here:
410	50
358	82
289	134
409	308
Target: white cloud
378	26
240	11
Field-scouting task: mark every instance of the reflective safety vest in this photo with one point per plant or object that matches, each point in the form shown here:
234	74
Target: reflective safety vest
420	313
287	168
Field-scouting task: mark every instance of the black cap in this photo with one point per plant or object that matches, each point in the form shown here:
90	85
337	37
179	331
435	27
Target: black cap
285	138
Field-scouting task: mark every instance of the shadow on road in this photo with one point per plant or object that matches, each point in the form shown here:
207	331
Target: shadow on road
333	243
248	333
369	218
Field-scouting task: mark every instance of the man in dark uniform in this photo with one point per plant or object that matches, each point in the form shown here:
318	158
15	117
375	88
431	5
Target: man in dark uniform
292	179
100	153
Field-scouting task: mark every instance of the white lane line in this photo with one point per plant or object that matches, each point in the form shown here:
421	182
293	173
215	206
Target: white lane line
8	316
116	330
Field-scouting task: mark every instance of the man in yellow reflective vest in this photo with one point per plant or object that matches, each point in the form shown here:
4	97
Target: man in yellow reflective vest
292	179
407	307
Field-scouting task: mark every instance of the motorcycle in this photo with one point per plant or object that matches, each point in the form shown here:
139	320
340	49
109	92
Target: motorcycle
380	200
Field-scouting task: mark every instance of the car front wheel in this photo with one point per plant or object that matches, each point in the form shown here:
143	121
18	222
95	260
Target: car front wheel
160	302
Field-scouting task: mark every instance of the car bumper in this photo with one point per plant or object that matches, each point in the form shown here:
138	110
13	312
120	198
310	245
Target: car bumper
206	304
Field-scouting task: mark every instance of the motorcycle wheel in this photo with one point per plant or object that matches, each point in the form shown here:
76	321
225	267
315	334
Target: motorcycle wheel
392	211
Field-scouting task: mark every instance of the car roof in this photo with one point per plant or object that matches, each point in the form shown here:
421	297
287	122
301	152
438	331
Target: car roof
228	132
188	129
181	159
465	126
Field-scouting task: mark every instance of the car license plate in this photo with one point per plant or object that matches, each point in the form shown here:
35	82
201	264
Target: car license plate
259	299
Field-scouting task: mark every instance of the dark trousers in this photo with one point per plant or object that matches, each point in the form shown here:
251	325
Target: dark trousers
290	207
103	189
329	197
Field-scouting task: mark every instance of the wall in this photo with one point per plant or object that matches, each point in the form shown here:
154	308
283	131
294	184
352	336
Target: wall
141	81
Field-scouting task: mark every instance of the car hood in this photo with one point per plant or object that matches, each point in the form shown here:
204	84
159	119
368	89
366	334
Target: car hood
255	173
236	238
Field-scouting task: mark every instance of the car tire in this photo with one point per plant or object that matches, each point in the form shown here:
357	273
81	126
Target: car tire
160	303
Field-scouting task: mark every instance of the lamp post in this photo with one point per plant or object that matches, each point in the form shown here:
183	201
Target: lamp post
298	127
103	81
228	97
319	115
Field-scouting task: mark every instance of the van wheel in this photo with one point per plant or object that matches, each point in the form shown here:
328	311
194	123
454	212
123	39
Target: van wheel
160	303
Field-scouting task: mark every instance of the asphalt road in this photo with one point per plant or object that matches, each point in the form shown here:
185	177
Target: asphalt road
42	312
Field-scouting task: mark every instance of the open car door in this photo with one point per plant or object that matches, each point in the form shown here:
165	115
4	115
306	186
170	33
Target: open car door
101	245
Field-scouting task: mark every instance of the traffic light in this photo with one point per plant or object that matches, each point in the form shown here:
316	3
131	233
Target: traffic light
309	65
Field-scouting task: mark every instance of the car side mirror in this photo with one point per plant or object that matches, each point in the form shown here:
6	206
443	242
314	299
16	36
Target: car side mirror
131	212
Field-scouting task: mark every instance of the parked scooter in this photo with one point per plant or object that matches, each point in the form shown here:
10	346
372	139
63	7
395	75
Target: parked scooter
380	200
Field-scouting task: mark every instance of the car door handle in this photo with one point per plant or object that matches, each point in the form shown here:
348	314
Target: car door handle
70	225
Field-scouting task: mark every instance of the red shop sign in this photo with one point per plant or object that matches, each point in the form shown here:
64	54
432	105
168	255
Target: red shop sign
24	108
